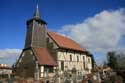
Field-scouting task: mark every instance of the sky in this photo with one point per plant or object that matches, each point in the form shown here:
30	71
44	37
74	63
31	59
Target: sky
97	25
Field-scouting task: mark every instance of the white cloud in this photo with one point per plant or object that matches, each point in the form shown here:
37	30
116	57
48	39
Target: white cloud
9	52
9	56
99	33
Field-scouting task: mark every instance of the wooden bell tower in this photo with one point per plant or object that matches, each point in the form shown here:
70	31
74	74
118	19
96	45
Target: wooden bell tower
36	31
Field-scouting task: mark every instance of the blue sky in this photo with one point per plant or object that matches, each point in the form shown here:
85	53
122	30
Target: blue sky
59	14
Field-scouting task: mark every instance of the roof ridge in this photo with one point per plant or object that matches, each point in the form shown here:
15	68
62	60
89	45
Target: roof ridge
65	42
62	35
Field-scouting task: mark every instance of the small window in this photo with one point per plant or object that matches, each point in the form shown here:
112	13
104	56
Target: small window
84	61
70	57
77	58
62	65
88	60
83	58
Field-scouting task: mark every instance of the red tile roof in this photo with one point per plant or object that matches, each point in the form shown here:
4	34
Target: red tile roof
4	66
44	57
65	42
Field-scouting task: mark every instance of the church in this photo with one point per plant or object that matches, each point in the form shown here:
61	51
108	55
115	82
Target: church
47	51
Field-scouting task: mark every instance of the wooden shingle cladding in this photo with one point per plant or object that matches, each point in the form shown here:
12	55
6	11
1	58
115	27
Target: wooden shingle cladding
41	55
36	33
25	66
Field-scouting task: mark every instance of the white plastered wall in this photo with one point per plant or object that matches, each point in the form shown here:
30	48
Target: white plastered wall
77	63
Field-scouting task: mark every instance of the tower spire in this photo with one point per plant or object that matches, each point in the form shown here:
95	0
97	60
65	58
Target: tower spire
36	13
36	31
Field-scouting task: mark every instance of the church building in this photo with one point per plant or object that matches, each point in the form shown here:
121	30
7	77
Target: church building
47	51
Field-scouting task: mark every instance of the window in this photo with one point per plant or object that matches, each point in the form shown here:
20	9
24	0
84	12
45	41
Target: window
88	60
49	69
70	57
84	61
83	58
77	58
62	65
